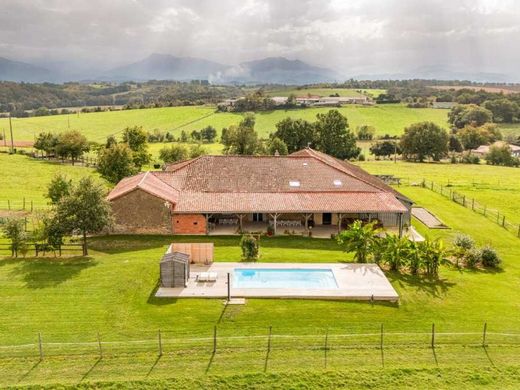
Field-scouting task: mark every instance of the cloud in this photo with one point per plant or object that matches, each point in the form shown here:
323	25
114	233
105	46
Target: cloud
355	36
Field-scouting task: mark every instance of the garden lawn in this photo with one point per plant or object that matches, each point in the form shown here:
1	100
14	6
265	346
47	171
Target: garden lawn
112	292
496	187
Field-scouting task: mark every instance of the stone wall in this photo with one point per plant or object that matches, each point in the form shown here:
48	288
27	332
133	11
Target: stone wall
189	224
139	212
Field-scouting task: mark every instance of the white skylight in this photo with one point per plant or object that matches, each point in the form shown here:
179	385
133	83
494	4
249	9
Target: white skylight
337	183
294	183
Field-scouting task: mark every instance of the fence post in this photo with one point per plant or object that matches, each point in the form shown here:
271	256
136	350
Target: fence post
503	221
40	345
32	206
464	200
23	204
215	339
498	217
484	335
269	339
518	230
160	342
473	204
485	210
381	342
433	335
99	345
8	204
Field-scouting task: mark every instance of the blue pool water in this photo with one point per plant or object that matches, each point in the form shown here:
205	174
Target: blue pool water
284	278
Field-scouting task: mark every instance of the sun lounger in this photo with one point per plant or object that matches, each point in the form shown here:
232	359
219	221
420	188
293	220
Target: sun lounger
207	277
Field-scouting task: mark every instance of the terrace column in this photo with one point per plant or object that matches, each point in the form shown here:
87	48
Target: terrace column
240	218
307	217
340	217
275	217
207	216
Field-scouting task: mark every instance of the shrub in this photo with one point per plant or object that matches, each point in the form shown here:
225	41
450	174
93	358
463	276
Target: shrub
250	248
490	257
463	241
473	257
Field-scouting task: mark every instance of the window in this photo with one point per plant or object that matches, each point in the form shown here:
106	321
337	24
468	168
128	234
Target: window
337	183
294	183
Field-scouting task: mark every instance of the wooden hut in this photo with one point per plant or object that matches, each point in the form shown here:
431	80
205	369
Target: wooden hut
175	269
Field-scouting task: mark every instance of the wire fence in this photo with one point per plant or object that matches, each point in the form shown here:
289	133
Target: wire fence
23	205
493	215
44	250
263	340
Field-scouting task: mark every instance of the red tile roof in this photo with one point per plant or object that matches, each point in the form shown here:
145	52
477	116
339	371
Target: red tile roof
262	184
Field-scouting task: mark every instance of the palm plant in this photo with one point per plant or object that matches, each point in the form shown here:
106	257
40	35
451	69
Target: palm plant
433	254
396	251
359	238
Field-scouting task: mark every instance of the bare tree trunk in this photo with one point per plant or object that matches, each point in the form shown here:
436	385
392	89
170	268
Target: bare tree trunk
85	249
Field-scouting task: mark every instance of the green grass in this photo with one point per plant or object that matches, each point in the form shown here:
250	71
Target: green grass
496	187
389	119
319	91
26	177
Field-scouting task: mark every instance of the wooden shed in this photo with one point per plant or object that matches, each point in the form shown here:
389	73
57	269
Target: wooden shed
199	252
175	269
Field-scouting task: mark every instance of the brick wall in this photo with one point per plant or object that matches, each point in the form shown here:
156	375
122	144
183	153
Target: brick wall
139	212
189	224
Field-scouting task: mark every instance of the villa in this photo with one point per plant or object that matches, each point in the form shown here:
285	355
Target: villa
307	192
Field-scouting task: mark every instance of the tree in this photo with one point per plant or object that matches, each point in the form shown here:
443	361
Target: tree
242	139
385	148
116	163
501	155
111	140
58	188
184	136
208	134
85	210
359	238
195	135
197	151
365	132
472	137
471	114
432	254
136	138
454	144
250	248
174	153
423	140
14	231
72	144
334	137
504	110
277	146
396	251
295	133
46	142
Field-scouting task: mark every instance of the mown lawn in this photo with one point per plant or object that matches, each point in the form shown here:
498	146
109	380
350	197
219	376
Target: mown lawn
496	187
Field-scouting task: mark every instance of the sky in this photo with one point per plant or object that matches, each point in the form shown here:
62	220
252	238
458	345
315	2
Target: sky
350	36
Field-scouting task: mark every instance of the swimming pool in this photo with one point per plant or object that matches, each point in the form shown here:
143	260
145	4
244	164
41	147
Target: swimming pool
284	278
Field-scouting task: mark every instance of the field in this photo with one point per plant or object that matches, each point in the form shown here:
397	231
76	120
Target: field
26	177
388	119
496	187
507	90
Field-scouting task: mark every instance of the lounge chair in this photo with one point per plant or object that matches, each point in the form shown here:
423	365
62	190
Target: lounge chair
207	277
212	277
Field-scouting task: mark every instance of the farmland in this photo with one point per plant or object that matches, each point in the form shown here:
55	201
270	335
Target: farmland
388	119
325	92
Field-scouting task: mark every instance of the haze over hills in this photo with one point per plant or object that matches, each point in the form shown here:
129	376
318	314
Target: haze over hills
274	70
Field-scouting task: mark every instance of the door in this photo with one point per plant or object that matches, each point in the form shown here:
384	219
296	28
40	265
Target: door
326	219
258	217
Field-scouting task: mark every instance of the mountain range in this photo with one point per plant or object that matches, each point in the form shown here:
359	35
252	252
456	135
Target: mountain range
274	70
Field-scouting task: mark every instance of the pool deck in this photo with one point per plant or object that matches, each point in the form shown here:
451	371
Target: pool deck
355	282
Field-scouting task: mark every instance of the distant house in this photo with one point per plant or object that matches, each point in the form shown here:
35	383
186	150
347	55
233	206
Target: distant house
482	150
443	105
307	190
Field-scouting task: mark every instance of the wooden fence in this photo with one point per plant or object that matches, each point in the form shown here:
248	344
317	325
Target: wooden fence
493	215
44	250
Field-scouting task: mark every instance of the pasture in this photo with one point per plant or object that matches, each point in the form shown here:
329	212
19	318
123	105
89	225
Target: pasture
111	292
325	92
387	119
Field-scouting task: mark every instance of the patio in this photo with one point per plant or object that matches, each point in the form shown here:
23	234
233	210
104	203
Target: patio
355	282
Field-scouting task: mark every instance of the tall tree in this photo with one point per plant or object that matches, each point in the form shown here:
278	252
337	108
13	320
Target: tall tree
136	138
295	133
242	139
334	136
58	188
471	114
504	110
277	146
46	142
424	140
116	162
85	210
72	144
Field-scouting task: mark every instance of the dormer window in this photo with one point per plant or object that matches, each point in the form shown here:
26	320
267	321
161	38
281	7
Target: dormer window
337	183
294	183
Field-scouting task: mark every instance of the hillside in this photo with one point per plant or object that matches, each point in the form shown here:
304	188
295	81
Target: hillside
21	71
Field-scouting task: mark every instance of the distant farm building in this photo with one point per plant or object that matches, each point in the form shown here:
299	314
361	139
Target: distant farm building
482	150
